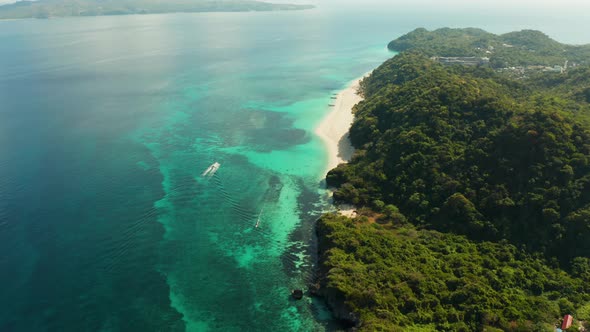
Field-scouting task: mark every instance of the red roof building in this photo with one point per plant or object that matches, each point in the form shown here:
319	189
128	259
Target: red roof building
567	322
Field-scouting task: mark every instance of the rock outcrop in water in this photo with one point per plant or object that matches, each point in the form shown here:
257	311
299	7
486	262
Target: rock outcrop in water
297	294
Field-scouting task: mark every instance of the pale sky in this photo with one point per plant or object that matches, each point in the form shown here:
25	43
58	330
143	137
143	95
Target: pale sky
466	4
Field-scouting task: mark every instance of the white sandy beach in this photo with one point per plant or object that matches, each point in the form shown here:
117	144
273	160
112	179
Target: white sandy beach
333	129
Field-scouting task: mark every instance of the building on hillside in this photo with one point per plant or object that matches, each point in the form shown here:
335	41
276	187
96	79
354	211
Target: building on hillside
462	60
567	322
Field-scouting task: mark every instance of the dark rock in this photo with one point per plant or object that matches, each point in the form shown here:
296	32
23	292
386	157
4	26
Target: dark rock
297	294
336	301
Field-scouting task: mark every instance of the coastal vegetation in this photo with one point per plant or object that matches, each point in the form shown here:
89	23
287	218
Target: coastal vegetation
64	8
478	187
399	278
519	48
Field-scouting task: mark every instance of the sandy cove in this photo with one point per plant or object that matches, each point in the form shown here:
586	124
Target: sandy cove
333	129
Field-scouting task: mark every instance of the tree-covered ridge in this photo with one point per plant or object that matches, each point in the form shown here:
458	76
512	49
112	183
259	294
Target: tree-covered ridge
573	88
500	164
521	48
62	8
473	154
403	279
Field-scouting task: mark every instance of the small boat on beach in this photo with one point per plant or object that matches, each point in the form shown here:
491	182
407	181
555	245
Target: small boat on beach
210	171
331	105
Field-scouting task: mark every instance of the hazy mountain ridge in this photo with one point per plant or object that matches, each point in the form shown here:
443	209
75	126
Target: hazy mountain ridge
518	48
64	8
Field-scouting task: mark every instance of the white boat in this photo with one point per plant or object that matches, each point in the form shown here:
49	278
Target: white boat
258	220
211	169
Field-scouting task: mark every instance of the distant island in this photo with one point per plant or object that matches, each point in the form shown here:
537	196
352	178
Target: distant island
64	8
520	51
471	182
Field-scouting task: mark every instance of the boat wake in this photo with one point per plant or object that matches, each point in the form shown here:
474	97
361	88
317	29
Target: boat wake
258	220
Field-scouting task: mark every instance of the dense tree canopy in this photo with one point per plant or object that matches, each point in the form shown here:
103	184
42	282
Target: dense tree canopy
471	151
526	47
403	279
459	152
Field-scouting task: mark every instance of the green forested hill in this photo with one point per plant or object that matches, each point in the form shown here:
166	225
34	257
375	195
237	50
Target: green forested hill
63	8
463	152
526	47
397	278
470	151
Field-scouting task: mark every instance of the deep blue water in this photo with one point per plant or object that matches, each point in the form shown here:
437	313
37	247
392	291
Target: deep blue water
106	125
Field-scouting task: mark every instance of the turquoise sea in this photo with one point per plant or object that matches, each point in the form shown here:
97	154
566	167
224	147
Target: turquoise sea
106	126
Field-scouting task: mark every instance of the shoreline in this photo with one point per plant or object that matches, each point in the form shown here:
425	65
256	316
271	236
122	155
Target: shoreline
334	127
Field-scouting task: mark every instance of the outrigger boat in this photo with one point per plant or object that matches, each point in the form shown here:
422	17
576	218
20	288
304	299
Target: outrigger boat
258	220
211	169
